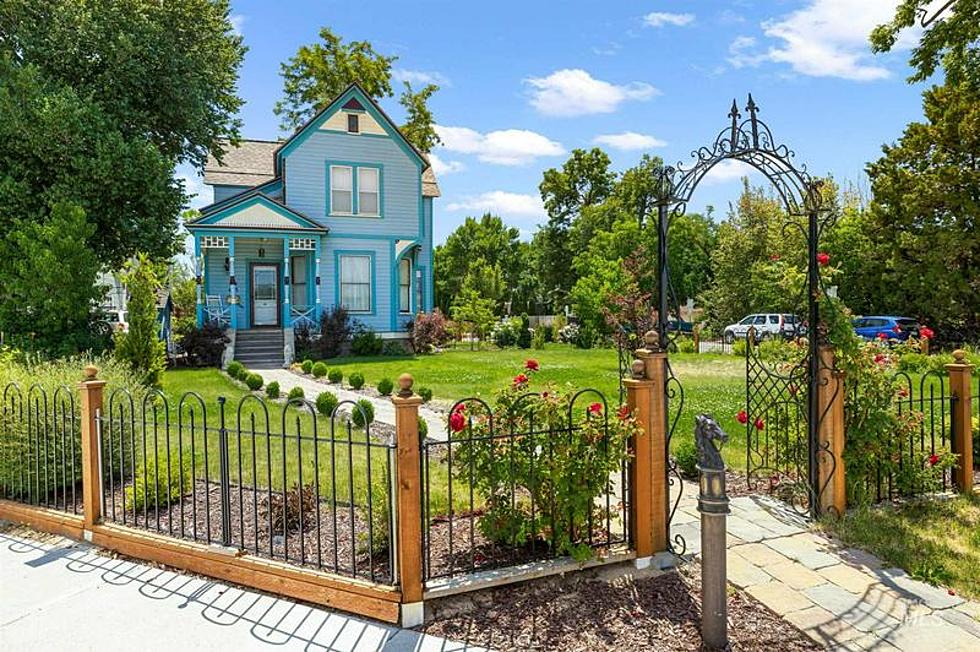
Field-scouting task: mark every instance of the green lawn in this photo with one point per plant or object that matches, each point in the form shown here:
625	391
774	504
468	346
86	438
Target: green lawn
713	383
934	539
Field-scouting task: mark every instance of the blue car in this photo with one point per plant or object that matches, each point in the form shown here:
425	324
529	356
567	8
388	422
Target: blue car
893	328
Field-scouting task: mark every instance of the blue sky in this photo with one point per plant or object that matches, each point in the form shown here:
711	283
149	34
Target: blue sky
523	83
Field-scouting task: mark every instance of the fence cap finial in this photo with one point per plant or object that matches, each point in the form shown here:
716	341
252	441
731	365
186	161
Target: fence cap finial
90	371
959	355
638	369
405	382
652	340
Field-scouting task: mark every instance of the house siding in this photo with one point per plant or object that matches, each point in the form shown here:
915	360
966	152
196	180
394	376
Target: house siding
222	193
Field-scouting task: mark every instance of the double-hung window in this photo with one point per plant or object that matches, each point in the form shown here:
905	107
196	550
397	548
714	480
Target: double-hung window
341	189
355	283
405	285
368	192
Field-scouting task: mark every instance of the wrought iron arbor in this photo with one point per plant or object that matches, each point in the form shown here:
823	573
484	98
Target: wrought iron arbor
749	140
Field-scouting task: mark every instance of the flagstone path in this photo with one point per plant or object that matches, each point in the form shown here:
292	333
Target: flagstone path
843	598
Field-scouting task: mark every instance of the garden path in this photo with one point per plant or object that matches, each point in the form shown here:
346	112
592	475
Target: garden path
62	594
384	411
843	598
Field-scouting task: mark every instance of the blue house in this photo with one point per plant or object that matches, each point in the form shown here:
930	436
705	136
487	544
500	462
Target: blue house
340	213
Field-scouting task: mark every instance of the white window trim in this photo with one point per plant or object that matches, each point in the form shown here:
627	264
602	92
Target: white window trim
370	283
351	190
377	193
405	309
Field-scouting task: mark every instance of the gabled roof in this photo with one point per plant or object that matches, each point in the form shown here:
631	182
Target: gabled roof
256	212
269	188
247	164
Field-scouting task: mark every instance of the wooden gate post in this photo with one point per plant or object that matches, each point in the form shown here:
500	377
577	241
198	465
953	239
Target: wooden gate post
830	458
408	502
962	439
646	396
90	404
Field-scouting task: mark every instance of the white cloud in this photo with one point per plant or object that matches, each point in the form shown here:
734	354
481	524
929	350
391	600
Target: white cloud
826	38
237	20
628	140
500	202
504	147
199	194
572	92
442	168
728	170
420	77
610	50
662	18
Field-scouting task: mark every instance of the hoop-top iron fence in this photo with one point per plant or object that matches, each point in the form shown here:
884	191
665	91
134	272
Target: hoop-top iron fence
276	480
40	447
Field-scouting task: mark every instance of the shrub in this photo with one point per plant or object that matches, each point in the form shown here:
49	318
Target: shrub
319	369
738	347
425	393
524	335
427	331
254	381
393	348
141	346
363	413
272	389
335	332
373	541
685	345
557	325
686	455
326	403
366	343
335	375
356	380
385	386
204	346
568	333
295	392
423	427
307	366
159	487
299	505
506	332
547	332
538	339
236	370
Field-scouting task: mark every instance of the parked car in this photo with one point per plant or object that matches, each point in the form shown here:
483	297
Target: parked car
117	319
766	325
675	324
886	327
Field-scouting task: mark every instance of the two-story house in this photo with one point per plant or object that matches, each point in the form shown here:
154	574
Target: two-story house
340	213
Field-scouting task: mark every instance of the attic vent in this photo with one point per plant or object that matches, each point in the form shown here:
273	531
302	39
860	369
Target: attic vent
353	104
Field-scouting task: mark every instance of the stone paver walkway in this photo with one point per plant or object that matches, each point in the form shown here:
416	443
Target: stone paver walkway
843	598
384	411
58	594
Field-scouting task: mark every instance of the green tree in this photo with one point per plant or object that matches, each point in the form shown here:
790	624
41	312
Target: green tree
925	215
419	127
474	311
47	282
953	41
141	346
318	73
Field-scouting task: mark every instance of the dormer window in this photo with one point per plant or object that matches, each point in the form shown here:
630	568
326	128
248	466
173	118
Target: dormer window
353	123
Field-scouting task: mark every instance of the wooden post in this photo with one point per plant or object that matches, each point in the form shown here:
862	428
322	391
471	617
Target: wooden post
91	405
647	400
830	461
409	502
962	440
697	339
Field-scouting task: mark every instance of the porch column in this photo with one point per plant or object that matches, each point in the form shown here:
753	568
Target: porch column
285	284
232	284
316	278
199	278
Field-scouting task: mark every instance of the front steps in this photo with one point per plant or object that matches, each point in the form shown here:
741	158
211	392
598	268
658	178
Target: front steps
260	348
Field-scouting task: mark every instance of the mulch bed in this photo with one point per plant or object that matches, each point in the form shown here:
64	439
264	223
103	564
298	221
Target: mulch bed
574	614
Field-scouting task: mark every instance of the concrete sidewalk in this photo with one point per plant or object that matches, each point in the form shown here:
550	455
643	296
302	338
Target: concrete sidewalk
58	594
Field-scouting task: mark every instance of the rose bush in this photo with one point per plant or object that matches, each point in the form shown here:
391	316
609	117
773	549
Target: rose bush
540	461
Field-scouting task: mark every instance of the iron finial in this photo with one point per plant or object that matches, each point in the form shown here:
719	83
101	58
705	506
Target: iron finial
734	115
752	108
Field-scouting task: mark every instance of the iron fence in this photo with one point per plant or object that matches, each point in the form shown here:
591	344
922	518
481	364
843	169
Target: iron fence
513	486
277	480
40	448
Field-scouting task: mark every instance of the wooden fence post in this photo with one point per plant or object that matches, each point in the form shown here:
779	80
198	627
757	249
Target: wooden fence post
962	439
697	338
409	502
90	390
830	461
647	400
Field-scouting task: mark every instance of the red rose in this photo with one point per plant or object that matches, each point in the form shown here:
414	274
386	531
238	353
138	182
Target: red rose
595	408
532	365
823	259
774	257
520	379
880	359
926	333
457	421
933	460
903	392
624	412
742	416
759	424
882	336
460	407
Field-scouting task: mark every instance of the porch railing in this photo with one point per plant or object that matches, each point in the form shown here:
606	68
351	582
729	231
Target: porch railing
304	317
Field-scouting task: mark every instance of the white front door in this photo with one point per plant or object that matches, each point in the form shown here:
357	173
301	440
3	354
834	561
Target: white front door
265	295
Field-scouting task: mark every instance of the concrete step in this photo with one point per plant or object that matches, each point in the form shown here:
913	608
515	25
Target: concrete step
258	346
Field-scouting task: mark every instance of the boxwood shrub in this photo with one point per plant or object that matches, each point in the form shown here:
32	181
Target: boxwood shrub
356	380
235	369
254	381
272	389
307	366
362	413
335	375
326	403
385	386
320	370
296	392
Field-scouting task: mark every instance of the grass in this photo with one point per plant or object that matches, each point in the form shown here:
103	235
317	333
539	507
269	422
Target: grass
713	383
934	539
